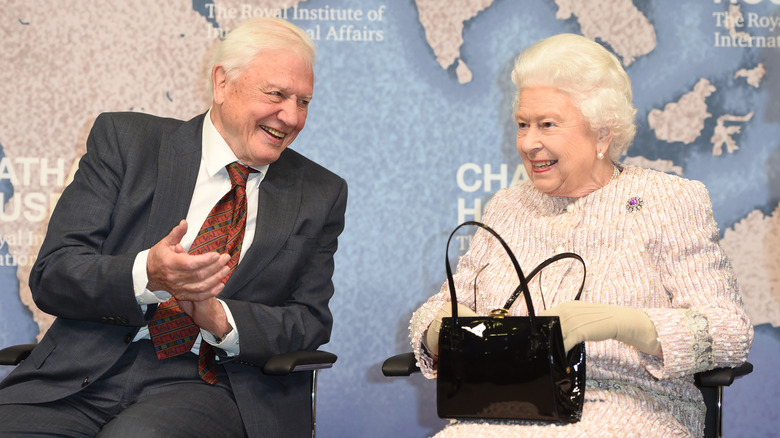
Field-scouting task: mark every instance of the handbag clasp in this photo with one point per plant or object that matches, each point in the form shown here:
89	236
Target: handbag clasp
499	313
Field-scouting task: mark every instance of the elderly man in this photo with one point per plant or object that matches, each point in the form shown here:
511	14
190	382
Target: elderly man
183	256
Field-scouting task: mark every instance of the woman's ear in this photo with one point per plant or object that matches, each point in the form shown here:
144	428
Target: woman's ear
604	140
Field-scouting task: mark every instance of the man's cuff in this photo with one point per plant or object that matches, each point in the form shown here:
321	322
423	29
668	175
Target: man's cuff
143	295
229	342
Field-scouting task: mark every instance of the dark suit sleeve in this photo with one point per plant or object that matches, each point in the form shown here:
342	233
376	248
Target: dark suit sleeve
295	287
82	271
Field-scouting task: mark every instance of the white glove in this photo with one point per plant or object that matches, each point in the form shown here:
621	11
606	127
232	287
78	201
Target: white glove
431	336
583	321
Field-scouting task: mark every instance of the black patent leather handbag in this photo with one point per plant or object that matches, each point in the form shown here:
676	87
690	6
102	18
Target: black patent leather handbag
509	367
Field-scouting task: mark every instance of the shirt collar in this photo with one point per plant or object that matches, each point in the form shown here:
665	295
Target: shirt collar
216	152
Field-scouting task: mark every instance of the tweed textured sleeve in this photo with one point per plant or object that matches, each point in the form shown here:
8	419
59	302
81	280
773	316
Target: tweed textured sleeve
708	326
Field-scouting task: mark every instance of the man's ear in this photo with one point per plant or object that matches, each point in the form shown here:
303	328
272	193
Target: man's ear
219	82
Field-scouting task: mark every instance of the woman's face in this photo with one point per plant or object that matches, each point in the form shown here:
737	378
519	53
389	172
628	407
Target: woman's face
557	145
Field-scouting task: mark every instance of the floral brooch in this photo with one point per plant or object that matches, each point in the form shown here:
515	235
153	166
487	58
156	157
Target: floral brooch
634	204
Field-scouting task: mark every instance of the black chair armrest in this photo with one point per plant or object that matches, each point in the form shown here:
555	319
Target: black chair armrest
303	360
279	365
723	376
15	354
404	364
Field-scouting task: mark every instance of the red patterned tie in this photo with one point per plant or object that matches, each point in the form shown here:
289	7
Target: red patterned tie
172	331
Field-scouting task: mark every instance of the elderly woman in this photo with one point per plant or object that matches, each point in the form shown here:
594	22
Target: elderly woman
660	301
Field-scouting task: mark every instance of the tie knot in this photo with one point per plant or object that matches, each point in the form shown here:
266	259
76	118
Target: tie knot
239	173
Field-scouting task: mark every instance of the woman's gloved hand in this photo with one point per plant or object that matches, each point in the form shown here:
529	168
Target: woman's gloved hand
583	321
431	336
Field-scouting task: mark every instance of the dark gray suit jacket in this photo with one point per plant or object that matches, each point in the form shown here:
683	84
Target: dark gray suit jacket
133	186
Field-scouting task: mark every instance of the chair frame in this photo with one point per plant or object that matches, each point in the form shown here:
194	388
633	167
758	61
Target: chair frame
710	383
278	365
302	361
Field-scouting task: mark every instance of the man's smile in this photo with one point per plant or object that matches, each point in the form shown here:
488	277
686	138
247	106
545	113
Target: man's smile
277	134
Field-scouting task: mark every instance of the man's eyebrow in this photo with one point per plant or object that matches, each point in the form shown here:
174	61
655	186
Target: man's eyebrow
265	86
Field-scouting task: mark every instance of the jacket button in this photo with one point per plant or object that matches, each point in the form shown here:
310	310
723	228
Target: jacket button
85	382
128	338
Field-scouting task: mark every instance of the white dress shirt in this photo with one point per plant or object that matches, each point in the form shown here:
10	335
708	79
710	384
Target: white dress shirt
212	184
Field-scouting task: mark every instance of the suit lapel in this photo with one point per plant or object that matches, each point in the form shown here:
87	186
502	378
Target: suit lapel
279	201
177	172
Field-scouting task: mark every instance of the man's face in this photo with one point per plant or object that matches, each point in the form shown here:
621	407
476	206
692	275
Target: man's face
260	112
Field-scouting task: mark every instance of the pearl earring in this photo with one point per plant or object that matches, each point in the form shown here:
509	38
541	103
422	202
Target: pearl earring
600	156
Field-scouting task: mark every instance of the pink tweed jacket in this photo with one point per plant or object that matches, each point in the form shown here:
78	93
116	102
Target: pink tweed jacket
649	241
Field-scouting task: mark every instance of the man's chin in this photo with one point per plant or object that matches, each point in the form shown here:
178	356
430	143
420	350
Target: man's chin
267	156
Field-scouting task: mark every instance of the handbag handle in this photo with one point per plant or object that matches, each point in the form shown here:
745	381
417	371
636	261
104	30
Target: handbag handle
544	264
520	276
521	288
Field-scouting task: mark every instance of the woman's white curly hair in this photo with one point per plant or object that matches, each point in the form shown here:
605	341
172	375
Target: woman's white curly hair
592	76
